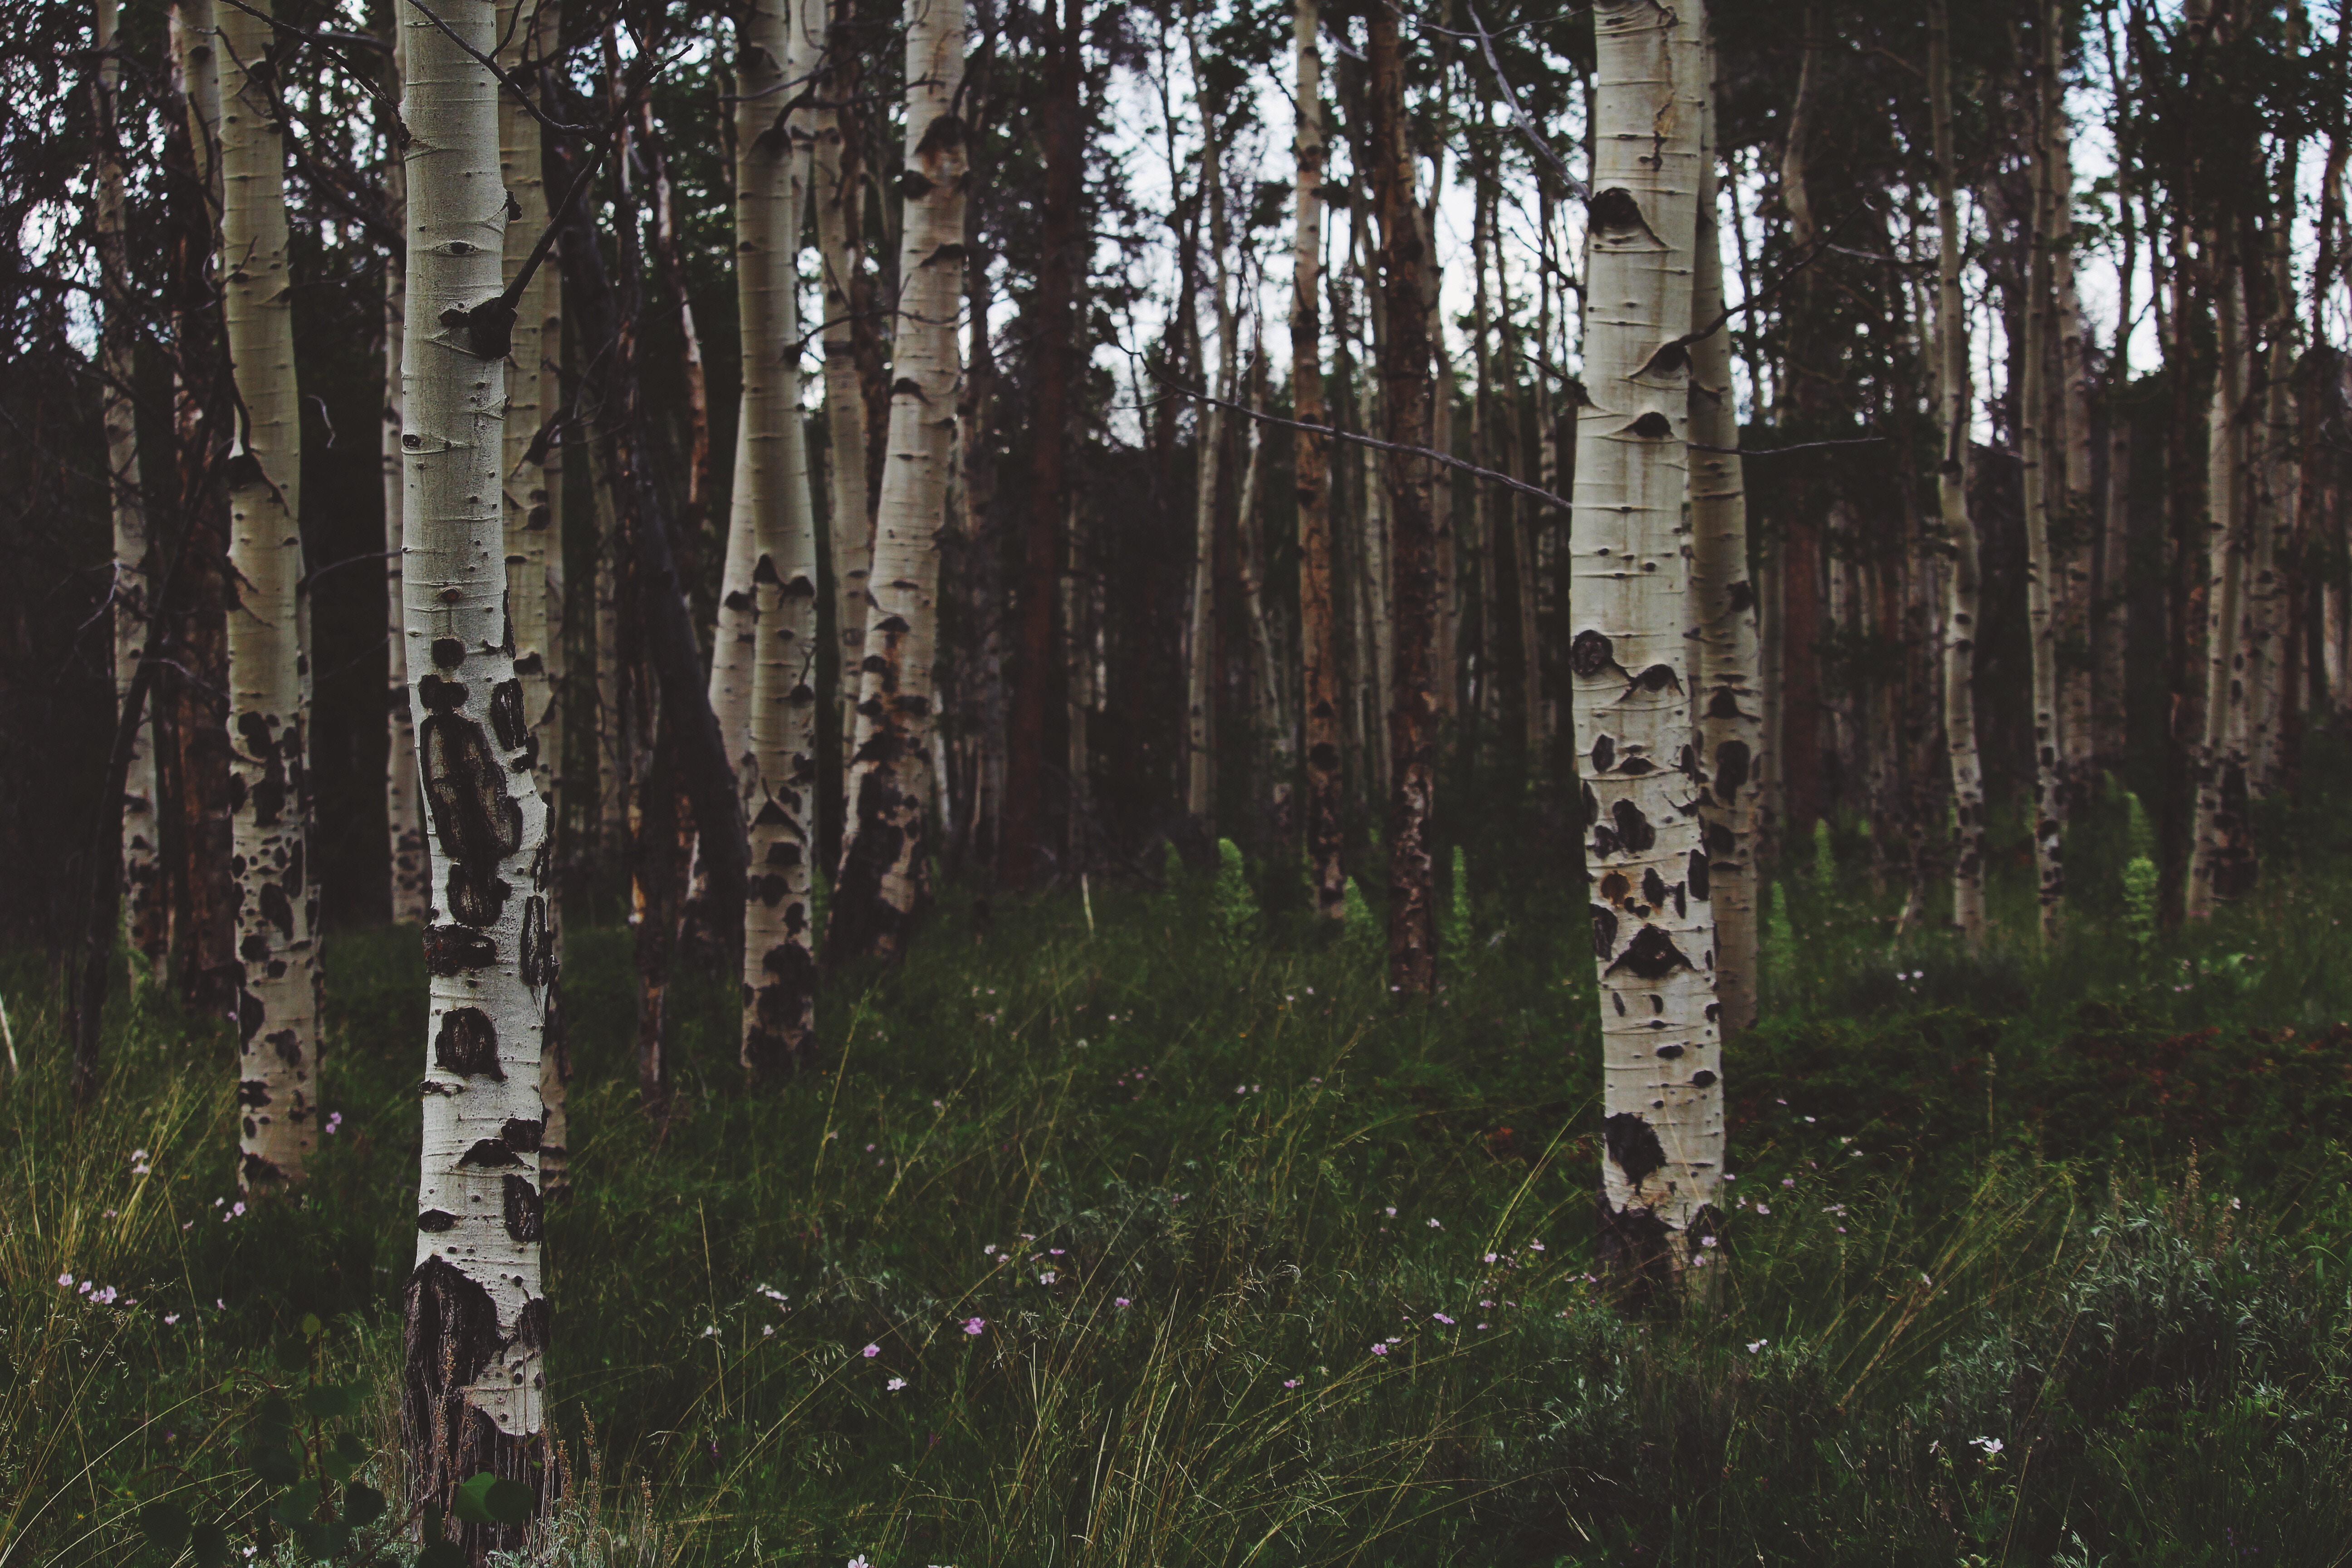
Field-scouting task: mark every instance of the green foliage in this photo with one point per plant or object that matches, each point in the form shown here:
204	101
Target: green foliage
2141	910
1233	906
1453	936
1824	856
1991	1242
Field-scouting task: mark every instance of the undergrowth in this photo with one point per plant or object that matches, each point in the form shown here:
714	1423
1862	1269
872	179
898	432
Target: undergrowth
1150	1231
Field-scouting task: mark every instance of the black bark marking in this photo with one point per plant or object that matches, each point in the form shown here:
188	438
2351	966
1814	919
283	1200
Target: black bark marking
525	1217
1654	887
1720	841
1633	1147
1650	955
476	893
1633	829
488	1153
1604	930
1653	426
538	950
449	653
467	1043
436	1221
451	951
1668	1053
260	1173
1591	653
249	1016
1658	677
507	721
1699	884
252	1091
287	1044
1604	753
523	1133
440	695
1613	213
1731	767
1702	1079
477	821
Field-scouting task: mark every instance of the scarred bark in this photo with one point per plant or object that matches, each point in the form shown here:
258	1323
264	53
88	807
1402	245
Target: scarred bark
477	1330
269	783
411	875
776	764
1320	691
1652	925
885	862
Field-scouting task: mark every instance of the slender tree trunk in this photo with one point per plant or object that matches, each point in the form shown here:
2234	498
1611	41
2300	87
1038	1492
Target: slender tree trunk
1652	924
1959	533
2221	865
2074	527
1201	631
411	876
142	881
1413	596
1274	753
1793	743
545	298
2037	441
277	997
1723	610
773	508
840	209
477	1319
1062	242
1319	690
986	716
884	863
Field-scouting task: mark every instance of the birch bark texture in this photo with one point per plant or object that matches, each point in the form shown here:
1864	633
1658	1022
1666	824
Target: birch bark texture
1959	532
1320	694
2035	442
2221	862
473	1387
771	509
883	865
142	880
1200	621
1652	924
411	876
278	999
1723	604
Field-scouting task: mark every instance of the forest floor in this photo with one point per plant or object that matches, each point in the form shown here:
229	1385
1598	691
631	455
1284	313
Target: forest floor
1100	1238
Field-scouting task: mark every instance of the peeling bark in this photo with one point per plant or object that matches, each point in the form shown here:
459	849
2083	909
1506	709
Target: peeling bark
473	1385
1653	920
277	1008
884	870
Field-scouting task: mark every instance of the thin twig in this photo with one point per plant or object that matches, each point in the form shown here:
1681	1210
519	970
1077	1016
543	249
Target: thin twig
505	79
1576	187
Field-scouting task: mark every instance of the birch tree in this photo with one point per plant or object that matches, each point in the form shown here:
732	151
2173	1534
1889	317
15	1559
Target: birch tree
142	881
473	1385
277	997
1723	607
411	891
777	770
2221	861
2035	439
883	860
1320	691
1652	925
1201	626
1959	533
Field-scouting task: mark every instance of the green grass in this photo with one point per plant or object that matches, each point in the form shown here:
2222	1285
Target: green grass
2090	1209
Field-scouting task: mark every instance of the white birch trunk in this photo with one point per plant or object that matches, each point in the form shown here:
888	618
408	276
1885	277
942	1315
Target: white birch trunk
411	878
777	759
2036	443
885	857
2074	527
1959	619
142	885
478	1319
270	787
1652	925
1201	633
1723	608
849	521
2221	858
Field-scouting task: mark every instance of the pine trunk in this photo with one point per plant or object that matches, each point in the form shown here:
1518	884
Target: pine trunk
885	862
477	1319
1723	610
1405	392
773	508
270	795
1320	691
1652	924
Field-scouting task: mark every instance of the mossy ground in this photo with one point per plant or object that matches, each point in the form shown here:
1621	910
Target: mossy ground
1104	1240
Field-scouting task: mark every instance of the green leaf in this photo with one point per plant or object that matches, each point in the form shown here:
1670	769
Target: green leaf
328	1401
347	1456
311	1327
442	1554
165	1526
486	1498
211	1543
277	1465
362	1504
